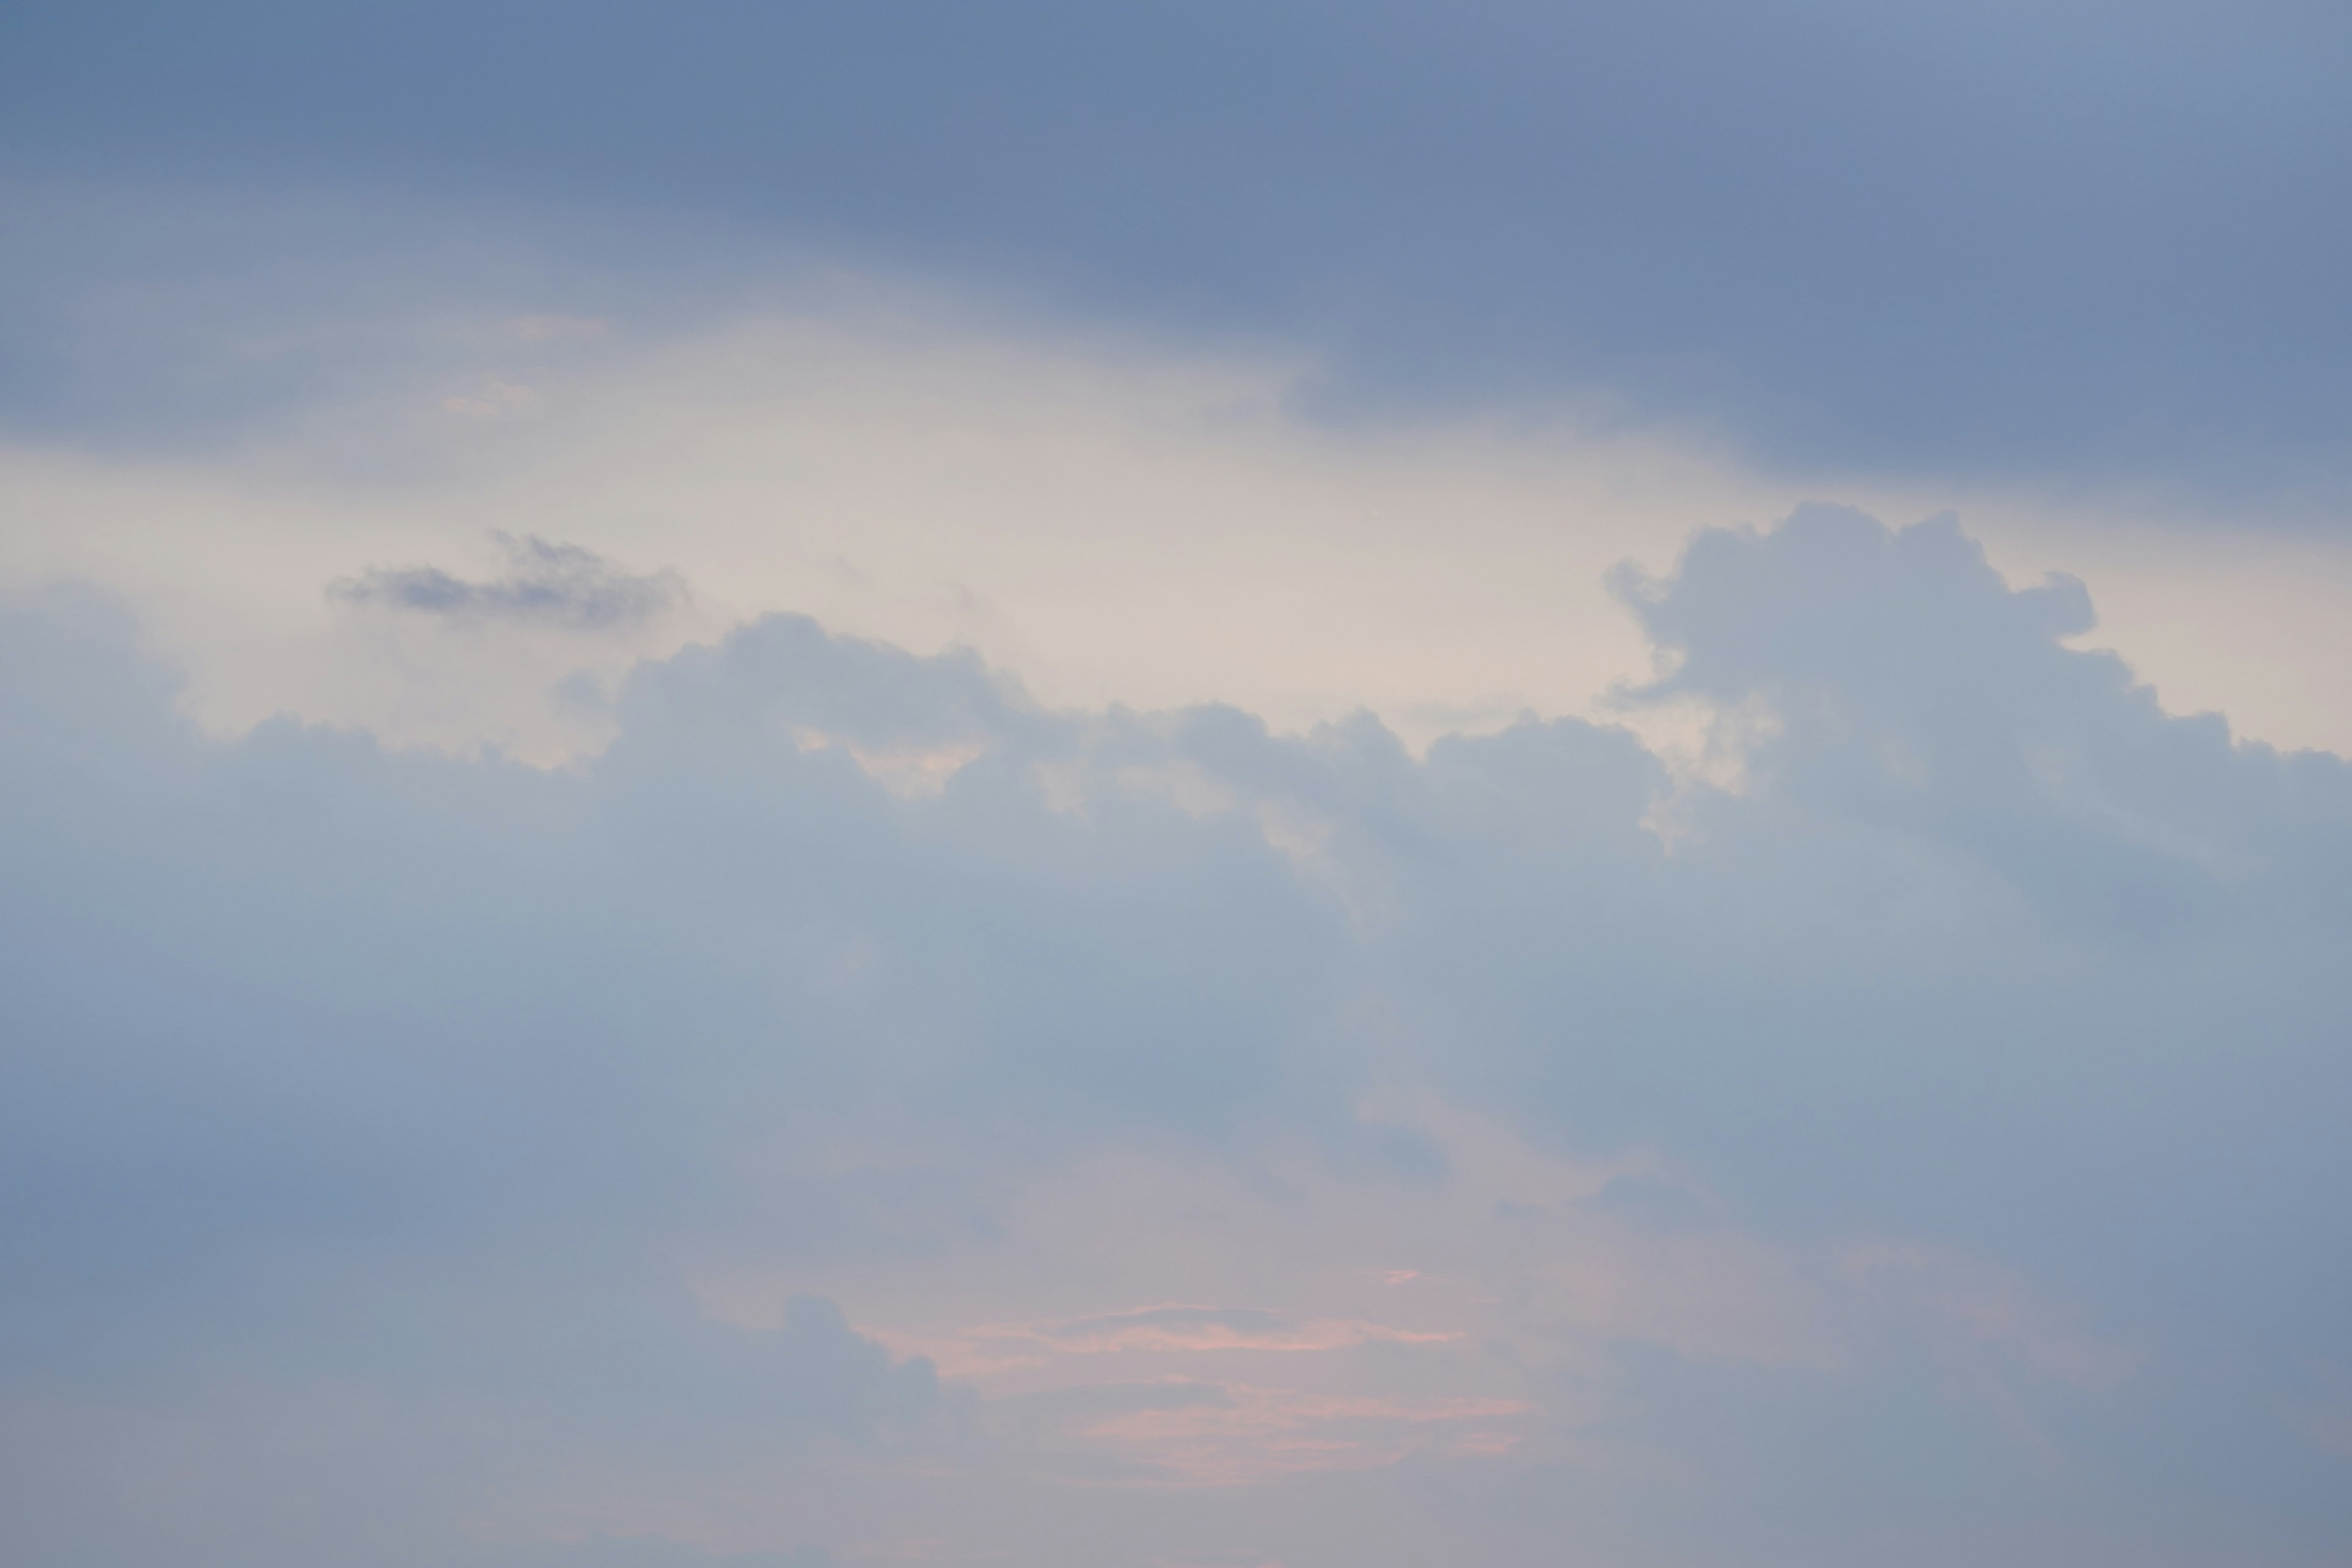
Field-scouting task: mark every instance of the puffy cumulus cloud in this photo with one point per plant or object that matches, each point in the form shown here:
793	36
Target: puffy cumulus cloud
1922	1138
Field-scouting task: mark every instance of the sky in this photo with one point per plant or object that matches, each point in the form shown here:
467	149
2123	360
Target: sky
1298	785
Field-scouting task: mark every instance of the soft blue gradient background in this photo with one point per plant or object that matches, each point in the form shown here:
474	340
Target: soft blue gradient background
366	1114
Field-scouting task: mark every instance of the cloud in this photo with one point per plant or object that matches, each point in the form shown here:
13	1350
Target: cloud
1726	217
1179	1329
650	1551
566	587
460	1425
541	329
493	400
902	470
1954	1104
1239	1433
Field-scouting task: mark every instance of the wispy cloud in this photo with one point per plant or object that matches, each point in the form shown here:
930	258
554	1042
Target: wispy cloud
1182	1328
547	584
1234	1434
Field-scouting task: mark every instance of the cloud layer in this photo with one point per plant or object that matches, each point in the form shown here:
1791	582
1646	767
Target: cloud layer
1964	239
865	1111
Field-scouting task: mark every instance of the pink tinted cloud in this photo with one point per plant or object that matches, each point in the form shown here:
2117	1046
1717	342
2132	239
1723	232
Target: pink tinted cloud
1179	1328
1244	1434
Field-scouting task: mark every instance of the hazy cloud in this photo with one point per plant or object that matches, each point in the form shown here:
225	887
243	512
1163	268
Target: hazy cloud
1697	211
1955	1103
1187	1329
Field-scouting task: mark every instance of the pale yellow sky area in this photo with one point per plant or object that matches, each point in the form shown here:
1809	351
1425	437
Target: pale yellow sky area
1108	525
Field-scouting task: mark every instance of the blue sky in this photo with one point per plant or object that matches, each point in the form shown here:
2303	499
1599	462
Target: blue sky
1207	787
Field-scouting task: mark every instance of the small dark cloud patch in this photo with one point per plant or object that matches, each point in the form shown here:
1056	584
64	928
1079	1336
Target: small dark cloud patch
563	586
